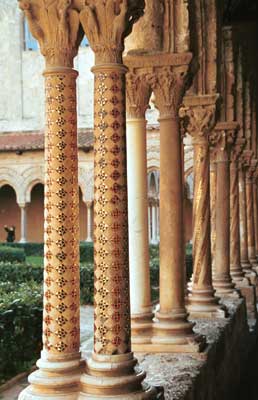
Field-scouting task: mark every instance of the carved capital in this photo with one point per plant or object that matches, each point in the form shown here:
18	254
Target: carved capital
169	86
55	25
106	24
222	138
251	170
138	94
198	116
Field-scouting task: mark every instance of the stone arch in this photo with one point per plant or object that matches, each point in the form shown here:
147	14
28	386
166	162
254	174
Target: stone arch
9	176
31	177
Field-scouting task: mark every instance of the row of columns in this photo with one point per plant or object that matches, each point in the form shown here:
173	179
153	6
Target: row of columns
120	185
112	370
24	209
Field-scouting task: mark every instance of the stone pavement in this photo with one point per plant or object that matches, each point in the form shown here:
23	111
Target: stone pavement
86	347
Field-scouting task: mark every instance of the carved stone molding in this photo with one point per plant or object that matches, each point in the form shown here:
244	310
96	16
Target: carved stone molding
107	23
138	95
198	115
56	27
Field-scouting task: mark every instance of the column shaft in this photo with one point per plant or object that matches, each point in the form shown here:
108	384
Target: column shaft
243	222
141	308
213	185
23	209
222	280
250	223
89	205
255	215
236	271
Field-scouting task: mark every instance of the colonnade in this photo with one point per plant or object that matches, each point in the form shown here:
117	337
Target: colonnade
187	99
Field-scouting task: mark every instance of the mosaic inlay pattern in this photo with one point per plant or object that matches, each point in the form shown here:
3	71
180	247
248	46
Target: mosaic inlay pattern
61	224
112	313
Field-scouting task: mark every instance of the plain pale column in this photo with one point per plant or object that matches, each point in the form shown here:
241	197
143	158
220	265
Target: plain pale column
171	326
153	225
141	308
89	220
23	208
149	221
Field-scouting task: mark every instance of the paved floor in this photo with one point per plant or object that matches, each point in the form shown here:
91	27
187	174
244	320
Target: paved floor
86	347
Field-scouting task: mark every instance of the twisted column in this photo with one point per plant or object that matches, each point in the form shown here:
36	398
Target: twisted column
138	95
250	214
111	372
236	270
199	115
222	138
60	366
172	330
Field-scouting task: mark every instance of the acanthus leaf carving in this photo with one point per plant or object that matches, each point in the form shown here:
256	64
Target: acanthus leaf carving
56	27
199	120
107	23
169	85
138	95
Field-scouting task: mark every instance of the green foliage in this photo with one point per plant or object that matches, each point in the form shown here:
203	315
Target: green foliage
86	252
19	273
30	249
11	254
87	283
20	326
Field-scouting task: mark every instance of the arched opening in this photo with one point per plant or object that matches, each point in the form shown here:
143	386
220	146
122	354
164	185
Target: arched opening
9	212
35	214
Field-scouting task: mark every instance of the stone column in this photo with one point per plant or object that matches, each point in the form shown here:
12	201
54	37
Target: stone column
236	270
89	205
138	95
255	199
55	26
222	138
149	220
198	113
111	372
250	214
23	208
172	330
213	185
243	224
154	222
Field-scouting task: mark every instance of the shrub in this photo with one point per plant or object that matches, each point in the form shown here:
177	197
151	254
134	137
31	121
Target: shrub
87	283
86	252
30	249
12	254
19	273
20	326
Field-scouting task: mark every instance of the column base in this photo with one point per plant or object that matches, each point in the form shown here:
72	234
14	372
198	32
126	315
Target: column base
173	333
22	240
203	304
55	379
115	377
141	327
236	273
224	287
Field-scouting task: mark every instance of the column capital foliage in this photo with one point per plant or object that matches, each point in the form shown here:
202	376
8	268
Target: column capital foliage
198	116
222	138
138	95
55	25
106	24
169	85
